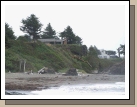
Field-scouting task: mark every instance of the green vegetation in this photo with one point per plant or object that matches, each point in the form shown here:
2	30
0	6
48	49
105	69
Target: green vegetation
71	37
9	35
58	57
37	55
48	32
31	26
121	50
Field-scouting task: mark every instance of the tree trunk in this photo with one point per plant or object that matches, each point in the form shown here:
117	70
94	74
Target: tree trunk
118	52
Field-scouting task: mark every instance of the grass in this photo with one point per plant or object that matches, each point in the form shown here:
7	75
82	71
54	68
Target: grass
38	55
58	57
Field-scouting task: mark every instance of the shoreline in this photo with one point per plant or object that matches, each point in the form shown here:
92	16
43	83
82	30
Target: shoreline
21	81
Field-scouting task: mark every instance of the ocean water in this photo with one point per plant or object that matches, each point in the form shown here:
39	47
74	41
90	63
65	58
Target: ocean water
117	88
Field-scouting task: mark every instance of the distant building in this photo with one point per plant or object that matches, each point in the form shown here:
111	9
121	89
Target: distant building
103	54
53	41
106	56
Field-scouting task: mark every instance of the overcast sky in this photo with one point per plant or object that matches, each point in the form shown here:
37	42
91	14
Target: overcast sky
99	25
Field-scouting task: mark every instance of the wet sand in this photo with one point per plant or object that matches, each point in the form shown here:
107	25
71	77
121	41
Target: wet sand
22	81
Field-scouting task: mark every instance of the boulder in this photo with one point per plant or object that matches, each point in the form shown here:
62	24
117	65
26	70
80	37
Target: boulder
118	69
50	71
71	72
14	93
95	71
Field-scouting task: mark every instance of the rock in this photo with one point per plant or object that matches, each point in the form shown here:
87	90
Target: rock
50	71
71	72
118	69
95	71
29	72
56	77
14	93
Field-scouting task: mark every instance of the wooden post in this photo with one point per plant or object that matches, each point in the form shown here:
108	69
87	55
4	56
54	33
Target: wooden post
20	64
24	65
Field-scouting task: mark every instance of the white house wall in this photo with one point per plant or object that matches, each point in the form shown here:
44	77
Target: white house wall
103	55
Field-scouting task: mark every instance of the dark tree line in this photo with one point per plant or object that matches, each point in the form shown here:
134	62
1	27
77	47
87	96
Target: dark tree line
9	35
32	26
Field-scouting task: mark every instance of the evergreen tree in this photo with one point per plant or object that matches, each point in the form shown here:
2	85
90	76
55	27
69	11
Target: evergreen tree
121	50
71	37
97	50
92	51
49	32
68	33
84	50
24	38
9	35
78	40
31	26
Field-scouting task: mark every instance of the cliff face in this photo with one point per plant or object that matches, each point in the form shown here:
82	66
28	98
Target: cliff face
37	55
57	57
117	69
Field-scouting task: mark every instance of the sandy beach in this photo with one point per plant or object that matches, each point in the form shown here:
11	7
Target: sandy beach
22	81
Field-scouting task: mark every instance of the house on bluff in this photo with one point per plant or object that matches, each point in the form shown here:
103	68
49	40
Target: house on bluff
53	41
104	55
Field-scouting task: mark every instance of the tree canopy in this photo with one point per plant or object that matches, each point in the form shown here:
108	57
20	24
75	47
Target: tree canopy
121	50
31	26
48	32
9	33
92	51
78	40
97	50
84	50
23	38
71	37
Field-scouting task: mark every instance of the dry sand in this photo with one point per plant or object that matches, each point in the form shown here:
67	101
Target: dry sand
22	81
